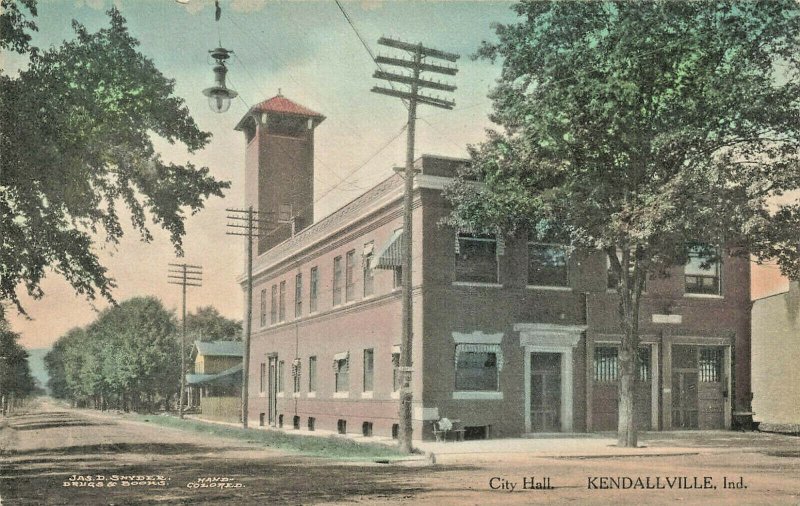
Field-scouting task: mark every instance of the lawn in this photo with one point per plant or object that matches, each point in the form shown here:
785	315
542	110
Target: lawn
334	447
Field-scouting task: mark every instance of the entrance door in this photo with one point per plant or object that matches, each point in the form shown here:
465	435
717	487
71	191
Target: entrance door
697	387
684	399
272	390
546	392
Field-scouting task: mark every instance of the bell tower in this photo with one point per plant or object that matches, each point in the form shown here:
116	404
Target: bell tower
279	167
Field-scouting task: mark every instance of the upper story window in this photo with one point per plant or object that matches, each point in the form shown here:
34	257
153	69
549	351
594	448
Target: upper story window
349	276
476	258
282	302
369	272
273	307
337	281
702	276
313	289
298	295
547	265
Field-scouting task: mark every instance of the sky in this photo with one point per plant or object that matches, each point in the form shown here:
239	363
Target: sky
309	52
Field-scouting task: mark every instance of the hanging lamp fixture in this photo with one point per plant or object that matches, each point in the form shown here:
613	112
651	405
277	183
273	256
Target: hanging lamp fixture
219	95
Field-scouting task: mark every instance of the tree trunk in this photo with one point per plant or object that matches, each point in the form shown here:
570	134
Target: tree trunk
626	423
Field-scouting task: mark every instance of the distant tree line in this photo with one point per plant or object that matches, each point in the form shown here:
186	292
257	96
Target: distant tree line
16	381
128	359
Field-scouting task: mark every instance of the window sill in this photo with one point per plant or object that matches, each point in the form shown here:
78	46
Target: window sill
341	395
477	395
549	288
296	394
703	296
366	395
311	395
395	395
475	283
262	394
279	394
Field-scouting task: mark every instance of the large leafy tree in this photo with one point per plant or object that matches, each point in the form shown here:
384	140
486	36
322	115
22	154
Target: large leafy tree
207	324
639	128
15	375
76	130
125	358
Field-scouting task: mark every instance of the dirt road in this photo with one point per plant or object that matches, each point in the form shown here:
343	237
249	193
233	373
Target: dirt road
59	456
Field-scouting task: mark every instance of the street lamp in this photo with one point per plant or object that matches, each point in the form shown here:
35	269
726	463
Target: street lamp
219	96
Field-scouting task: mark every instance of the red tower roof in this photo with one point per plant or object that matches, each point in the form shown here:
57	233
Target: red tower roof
282	105
279	103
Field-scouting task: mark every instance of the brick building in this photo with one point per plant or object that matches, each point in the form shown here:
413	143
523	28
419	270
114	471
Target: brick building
510	336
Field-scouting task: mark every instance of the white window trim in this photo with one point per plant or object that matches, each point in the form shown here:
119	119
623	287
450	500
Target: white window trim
395	394
476	283
367	394
311	395
476	395
341	395
703	296
295	394
551	288
280	395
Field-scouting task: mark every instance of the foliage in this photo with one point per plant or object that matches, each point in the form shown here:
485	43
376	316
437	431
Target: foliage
643	129
13	24
15	375
124	358
76	141
206	324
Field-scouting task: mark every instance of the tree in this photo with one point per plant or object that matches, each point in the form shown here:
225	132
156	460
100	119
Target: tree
126	357
16	380
75	138
647	130
206	324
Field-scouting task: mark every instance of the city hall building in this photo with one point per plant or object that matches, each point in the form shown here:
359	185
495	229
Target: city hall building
511	337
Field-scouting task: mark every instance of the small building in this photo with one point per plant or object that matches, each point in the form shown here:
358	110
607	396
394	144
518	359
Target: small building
215	387
775	355
510	336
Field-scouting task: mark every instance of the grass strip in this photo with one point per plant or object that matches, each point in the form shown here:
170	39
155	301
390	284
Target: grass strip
334	447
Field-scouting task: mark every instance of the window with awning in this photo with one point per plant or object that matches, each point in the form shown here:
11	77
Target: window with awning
478	366
390	255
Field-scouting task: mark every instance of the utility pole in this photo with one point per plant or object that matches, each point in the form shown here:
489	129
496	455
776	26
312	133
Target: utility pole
416	65
184	275
247	223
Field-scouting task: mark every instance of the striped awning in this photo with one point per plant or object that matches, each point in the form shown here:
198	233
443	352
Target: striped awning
390	256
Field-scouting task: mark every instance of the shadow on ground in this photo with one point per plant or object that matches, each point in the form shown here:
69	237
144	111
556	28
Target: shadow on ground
271	480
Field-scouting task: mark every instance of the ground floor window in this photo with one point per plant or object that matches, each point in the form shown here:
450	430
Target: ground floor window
606	364
478	367
710	367
342	373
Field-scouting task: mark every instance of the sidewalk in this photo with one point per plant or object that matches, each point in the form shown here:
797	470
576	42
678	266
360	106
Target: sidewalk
579	446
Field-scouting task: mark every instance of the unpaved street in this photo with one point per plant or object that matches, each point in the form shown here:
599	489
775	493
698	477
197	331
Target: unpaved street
141	464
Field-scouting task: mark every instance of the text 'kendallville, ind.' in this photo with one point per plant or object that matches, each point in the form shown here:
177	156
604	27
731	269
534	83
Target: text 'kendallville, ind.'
662	483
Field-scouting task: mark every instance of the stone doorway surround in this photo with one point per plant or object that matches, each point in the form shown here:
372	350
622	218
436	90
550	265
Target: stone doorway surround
550	338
